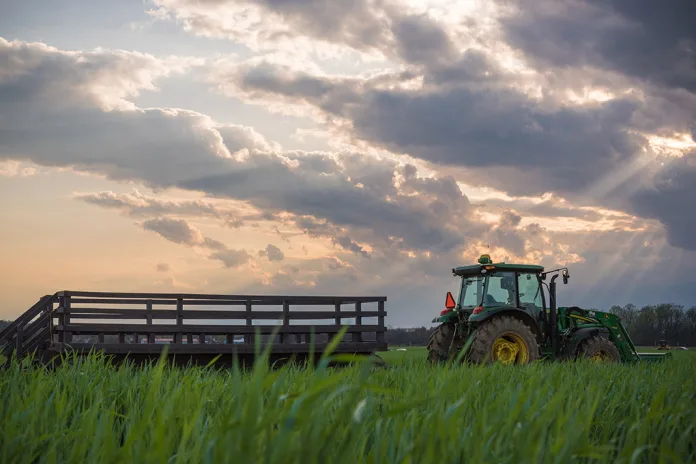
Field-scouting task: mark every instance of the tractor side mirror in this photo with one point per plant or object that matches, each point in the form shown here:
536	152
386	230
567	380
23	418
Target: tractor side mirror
566	276
449	301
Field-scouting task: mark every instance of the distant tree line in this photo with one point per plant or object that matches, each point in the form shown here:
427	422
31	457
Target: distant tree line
650	324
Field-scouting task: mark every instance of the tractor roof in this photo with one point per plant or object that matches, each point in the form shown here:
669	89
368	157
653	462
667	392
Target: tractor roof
490	266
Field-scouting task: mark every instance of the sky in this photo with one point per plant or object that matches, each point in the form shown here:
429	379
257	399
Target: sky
359	147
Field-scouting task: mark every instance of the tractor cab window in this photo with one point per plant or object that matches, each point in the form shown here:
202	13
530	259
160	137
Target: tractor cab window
472	292
501	290
530	291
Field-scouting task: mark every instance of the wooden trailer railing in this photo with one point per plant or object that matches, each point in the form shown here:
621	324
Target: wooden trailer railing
196	324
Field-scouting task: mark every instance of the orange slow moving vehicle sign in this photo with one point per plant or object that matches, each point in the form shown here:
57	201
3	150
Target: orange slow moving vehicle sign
449	302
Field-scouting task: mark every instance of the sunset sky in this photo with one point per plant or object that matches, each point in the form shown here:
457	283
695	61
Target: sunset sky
347	147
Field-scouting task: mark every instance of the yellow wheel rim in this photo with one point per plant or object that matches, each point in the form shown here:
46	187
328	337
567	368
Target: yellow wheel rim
600	356
510	348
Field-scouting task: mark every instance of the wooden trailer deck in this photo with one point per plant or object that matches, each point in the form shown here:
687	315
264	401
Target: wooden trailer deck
195	327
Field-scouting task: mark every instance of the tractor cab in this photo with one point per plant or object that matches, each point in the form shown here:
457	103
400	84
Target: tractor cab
495	287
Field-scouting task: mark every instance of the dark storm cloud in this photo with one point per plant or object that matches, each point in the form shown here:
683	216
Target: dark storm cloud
472	126
651	40
421	40
672	201
469	116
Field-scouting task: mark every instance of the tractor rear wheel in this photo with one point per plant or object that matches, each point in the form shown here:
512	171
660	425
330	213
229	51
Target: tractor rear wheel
504	339
599	349
443	346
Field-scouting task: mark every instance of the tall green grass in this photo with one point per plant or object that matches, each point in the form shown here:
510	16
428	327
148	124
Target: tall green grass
89	411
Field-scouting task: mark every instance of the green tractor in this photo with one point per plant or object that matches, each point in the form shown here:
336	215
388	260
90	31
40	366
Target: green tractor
502	315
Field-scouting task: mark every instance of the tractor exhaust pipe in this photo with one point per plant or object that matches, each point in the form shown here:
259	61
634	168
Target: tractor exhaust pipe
552	315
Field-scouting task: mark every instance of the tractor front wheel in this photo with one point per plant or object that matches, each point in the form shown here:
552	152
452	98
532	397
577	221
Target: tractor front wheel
599	349
505	340
444	344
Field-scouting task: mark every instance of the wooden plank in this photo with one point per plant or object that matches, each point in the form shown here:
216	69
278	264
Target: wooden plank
357	336
106	313
179	318
285	336
31	343
148	312
249	339
307	301
209	348
201	296
123	301
19	338
87	329
67	337
380	321
216	302
37	325
118	313
274	315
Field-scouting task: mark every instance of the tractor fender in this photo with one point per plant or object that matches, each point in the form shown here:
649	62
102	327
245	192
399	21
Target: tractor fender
452	316
517	313
571	344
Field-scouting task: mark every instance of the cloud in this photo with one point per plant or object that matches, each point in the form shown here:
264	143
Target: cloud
176	230
322	27
163	267
643	39
273	253
181	232
670	199
15	169
137	204
473	116
370	29
469	126
365	199
231	258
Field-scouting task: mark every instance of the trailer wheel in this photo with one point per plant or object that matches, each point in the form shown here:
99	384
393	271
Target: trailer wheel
599	349
504	339
441	347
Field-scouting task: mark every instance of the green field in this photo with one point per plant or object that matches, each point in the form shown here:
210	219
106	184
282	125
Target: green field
408	412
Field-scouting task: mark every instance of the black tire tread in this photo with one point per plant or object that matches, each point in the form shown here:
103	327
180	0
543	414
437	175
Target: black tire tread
439	344
491	329
591	344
